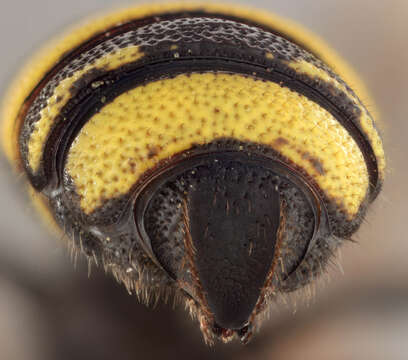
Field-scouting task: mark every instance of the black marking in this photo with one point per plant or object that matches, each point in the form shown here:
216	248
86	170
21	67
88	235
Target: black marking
235	256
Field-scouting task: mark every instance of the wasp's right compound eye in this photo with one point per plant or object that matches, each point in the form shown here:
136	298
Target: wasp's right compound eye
202	151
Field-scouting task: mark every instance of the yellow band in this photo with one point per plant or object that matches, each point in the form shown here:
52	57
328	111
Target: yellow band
155	121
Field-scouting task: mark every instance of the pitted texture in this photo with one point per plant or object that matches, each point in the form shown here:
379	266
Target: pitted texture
153	122
165	228
164	215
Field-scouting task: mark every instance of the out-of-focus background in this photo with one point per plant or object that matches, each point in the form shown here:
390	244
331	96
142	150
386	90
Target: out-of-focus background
48	310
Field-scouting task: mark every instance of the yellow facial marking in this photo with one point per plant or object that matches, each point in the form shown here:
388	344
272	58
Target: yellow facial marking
62	95
366	121
44	60
155	121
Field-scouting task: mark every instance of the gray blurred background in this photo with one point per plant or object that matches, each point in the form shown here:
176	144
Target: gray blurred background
50	311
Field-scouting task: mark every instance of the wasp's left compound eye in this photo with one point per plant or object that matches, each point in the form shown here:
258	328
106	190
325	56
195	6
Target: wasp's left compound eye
202	151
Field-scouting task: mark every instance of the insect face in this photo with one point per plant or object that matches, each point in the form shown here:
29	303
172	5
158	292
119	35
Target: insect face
201	152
